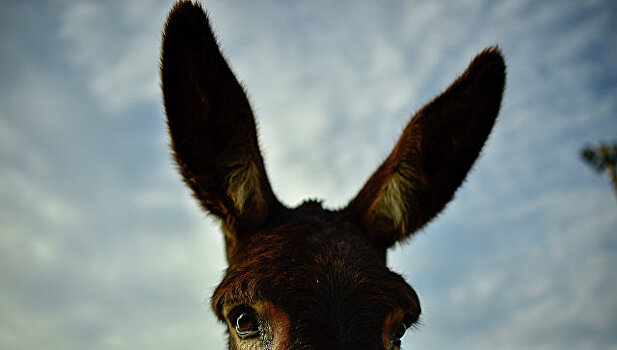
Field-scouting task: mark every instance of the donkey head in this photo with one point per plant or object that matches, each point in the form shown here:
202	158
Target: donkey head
308	277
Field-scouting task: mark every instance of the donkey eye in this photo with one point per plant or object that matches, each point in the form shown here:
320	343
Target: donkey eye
405	324
245	322
400	331
395	342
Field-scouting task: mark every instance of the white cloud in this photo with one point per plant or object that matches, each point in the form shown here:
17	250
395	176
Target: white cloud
116	46
103	248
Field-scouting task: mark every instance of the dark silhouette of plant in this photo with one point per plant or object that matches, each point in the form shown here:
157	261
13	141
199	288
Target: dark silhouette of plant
602	158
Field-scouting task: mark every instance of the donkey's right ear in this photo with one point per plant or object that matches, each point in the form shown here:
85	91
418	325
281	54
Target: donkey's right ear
211	124
433	155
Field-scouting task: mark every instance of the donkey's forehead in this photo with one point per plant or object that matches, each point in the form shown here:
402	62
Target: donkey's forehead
314	260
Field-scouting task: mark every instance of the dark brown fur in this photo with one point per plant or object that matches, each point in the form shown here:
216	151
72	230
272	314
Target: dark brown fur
314	278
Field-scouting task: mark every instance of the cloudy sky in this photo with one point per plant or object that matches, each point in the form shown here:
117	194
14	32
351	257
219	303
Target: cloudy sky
102	247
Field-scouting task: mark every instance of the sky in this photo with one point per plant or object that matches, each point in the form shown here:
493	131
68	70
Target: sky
102	246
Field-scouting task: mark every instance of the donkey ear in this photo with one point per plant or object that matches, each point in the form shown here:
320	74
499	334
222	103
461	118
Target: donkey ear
433	155
212	128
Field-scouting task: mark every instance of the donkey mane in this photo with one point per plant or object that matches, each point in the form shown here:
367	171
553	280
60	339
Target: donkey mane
309	277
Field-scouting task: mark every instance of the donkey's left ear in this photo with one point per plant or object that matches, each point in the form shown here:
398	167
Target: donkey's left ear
433	155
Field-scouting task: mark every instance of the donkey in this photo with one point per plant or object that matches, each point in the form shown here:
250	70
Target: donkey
309	277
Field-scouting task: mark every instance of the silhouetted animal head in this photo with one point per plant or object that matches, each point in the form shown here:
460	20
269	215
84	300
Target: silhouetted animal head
308	277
